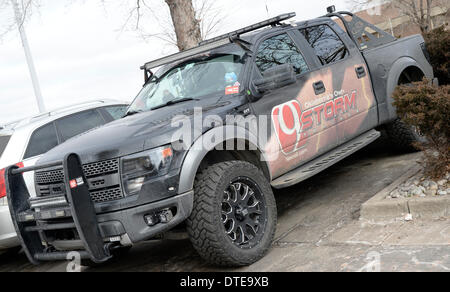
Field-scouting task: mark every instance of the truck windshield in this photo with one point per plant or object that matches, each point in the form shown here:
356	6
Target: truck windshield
194	79
3	143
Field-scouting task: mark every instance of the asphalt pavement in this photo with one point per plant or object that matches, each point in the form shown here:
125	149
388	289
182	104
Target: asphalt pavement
318	229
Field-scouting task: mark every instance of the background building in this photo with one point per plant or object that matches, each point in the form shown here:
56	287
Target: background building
393	20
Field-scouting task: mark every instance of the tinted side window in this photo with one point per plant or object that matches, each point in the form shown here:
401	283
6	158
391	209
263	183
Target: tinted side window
3	143
78	123
326	43
280	50
116	111
42	140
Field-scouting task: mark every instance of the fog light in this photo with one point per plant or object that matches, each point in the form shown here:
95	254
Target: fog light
60	214
165	216
29	217
115	239
151	220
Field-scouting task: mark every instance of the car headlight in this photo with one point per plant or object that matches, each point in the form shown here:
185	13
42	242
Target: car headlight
139	168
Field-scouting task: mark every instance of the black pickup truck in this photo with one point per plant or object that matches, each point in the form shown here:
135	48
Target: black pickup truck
210	135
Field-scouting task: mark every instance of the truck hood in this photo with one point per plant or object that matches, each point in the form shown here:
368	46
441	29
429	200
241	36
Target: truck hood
122	137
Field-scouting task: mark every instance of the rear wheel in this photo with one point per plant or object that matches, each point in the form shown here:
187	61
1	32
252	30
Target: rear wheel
234	218
404	136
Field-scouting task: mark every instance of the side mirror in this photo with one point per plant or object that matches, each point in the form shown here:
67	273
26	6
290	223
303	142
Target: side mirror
276	77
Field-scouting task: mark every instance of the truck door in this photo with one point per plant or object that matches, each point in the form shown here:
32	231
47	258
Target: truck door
296	134
353	101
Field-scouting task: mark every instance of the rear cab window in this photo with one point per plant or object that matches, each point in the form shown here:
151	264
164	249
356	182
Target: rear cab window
327	45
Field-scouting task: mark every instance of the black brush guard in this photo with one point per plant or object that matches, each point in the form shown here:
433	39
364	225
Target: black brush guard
80	208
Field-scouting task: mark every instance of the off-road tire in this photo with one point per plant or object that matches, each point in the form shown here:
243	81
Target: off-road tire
205	227
403	136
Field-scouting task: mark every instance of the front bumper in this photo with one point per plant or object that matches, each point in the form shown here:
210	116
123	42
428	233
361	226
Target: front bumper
131	222
92	236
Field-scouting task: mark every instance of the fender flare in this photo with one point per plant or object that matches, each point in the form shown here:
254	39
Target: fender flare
394	75
198	152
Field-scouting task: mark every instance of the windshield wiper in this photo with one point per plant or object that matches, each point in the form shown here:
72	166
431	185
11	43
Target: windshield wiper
131	113
176	101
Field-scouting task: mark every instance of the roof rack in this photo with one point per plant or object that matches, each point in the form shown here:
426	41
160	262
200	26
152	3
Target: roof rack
66	109
9	125
270	22
215	43
364	34
75	106
54	112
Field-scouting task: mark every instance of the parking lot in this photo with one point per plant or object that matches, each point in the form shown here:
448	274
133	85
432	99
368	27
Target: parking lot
317	221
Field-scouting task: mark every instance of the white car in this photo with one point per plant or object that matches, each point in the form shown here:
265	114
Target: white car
25	141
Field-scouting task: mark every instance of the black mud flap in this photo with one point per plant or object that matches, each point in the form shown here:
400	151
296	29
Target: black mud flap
80	208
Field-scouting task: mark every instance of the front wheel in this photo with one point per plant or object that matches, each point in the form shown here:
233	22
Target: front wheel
234	218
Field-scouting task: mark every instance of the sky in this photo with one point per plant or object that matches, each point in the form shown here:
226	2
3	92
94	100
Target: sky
81	52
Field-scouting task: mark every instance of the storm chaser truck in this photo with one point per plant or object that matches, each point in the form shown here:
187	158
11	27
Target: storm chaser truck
317	90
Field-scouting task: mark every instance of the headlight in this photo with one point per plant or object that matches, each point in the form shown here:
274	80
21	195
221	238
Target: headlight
139	168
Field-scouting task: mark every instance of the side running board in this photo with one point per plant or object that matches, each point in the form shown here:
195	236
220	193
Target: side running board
323	162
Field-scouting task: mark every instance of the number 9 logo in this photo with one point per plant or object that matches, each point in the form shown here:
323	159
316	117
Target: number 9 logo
286	119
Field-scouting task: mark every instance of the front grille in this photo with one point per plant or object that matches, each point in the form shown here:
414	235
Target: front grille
107	195
100	168
49	177
94	172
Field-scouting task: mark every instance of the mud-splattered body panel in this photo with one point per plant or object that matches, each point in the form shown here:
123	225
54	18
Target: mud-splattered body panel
305	123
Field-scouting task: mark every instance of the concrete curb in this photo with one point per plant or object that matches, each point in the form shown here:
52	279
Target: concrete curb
378	208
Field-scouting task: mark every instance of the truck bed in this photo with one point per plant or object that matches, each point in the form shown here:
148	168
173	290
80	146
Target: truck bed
387	62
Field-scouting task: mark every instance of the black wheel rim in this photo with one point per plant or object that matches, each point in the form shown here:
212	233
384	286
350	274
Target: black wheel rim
244	212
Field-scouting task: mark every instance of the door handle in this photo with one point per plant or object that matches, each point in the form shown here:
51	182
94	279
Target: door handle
360	72
319	87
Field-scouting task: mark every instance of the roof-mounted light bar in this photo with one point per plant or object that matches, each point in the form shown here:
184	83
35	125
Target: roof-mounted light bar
216	42
184	54
269	22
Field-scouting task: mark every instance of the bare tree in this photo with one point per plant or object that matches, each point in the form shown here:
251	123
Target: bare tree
183	23
187	26
8	21
419	11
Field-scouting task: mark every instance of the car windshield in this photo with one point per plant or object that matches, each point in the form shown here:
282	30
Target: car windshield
195	79
3	143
